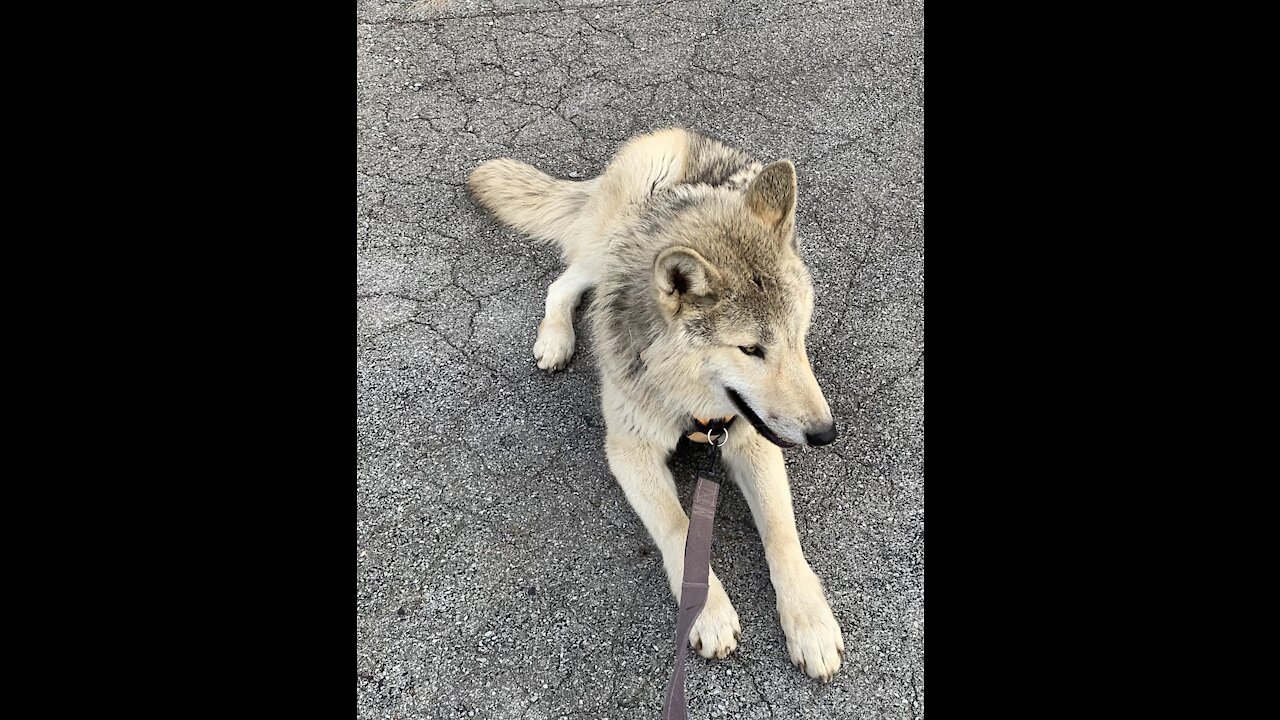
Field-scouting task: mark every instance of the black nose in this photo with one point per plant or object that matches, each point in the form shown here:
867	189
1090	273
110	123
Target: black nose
824	436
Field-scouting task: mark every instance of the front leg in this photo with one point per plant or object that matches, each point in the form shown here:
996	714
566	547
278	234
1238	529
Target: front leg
641	469
554	345
813	635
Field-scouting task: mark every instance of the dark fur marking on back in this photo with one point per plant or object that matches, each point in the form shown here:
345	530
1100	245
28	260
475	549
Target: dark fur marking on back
712	162
680	203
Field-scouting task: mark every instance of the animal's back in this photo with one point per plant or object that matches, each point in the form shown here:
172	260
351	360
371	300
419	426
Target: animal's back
575	214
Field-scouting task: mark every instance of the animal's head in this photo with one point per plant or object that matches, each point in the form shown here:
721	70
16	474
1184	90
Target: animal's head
732	287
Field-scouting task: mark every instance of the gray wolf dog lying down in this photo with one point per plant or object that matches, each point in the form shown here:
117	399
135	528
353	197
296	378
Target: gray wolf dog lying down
701	309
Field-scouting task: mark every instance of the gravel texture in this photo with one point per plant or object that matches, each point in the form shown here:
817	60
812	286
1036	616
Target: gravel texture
501	573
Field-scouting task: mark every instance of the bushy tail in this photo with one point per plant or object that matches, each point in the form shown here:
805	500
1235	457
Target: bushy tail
529	200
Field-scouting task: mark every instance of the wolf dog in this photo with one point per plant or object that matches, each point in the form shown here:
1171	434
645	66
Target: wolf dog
701	308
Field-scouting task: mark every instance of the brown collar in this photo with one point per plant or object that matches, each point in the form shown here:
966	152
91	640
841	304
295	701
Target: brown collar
700	427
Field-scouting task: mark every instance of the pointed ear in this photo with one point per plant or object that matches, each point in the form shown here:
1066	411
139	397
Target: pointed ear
684	276
771	196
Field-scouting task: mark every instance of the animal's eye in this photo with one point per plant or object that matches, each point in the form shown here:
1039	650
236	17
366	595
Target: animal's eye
752	350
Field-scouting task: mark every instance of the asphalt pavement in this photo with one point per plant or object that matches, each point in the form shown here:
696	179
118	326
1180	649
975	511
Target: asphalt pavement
501	573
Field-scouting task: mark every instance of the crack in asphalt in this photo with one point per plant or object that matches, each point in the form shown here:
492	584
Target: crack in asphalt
529	12
746	667
890	382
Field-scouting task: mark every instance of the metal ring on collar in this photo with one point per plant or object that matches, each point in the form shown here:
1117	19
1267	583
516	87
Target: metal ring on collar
724	434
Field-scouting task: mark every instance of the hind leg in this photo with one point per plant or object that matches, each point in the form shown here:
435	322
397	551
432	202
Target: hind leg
555	341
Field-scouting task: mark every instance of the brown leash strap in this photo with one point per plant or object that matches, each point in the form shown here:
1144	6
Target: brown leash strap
693	588
697	569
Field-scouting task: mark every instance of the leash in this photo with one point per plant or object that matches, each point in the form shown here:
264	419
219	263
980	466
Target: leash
697	559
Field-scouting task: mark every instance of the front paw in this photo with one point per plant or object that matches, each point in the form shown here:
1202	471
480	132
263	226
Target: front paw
716	631
554	346
813	635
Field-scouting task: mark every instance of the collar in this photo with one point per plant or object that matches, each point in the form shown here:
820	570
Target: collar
700	427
